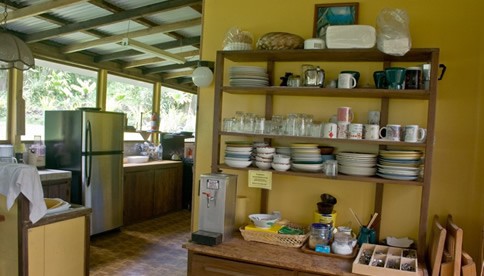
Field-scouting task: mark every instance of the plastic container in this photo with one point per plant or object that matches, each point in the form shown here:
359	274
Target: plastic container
37	153
320	236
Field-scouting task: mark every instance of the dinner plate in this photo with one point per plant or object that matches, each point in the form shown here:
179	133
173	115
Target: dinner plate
360	171
398	172
357	164
403	168
357	154
397	177
240	149
307	167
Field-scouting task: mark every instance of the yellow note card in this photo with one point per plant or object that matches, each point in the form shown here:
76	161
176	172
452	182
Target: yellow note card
260	179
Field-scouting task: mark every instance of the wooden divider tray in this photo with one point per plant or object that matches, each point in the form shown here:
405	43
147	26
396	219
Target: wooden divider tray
382	260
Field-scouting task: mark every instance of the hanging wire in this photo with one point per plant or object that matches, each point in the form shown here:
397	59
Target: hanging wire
5	14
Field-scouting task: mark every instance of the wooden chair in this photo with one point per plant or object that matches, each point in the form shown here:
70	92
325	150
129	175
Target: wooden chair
436	246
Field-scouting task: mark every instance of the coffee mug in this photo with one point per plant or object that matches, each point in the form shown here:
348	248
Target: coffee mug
392	132
355	74
344	114
330	130
372	132
355	131
343	130
413	134
395	77
413	78
346	80
374	117
380	79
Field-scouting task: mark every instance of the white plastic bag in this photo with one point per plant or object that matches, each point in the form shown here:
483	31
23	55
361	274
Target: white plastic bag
392	32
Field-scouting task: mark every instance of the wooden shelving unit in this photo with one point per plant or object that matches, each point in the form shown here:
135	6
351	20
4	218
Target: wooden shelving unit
271	58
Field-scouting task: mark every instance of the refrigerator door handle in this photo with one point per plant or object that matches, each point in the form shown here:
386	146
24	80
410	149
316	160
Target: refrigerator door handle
89	153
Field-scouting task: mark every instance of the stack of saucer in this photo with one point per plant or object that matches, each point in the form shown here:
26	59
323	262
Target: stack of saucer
355	163
399	164
238	154
248	76
306	157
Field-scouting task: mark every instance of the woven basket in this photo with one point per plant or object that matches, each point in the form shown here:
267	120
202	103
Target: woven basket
273	238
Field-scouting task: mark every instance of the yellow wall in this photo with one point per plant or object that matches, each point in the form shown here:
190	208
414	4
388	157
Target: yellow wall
457	185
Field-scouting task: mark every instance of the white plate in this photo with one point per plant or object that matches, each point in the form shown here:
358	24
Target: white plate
397	177
239	149
308	167
357	164
402	168
237	163
398	172
357	171
357	154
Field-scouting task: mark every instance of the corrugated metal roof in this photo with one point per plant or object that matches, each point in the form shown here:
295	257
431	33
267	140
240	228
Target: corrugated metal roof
86	22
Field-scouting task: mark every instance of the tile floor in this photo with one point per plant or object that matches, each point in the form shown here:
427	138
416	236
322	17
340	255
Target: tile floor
152	247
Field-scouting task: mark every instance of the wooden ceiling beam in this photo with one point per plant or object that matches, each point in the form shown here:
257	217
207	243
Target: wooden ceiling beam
39	9
189	41
109	19
156	60
174	75
170	67
118	38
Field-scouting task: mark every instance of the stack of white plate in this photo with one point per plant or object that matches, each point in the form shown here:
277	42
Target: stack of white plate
306	157
238	154
248	76
399	164
355	163
283	150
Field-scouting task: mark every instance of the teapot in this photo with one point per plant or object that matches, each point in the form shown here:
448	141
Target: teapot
343	244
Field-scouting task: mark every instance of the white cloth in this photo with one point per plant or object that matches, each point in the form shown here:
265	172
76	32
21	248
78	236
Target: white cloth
25	179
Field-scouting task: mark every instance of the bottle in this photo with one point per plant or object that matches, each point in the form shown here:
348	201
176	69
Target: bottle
37	153
319	238
159	152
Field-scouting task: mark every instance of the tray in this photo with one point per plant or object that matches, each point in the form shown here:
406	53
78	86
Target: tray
306	249
388	257
274	238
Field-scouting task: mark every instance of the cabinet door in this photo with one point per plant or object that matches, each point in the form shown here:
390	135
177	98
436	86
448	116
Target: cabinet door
167	190
57	189
138	196
203	266
58	248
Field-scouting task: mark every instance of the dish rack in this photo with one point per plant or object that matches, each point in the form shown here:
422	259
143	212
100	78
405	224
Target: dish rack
285	240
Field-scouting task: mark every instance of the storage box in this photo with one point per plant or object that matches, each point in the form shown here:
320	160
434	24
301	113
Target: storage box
382	260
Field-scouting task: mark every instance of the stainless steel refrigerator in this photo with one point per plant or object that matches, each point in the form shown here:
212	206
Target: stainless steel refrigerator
89	143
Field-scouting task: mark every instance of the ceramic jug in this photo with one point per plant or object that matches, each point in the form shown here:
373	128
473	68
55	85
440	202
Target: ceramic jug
343	244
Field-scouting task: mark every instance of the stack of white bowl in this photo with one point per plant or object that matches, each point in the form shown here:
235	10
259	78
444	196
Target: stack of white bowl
281	162
238	155
263	157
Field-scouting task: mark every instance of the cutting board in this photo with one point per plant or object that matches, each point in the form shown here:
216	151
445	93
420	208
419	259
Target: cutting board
436	246
468	265
453	243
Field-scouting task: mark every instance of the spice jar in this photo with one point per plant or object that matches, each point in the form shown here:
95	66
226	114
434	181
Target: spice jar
320	236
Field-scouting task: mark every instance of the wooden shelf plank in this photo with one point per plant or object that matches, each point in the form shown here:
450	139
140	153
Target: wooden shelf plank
371	179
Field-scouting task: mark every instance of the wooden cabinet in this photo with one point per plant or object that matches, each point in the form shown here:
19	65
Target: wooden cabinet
59	188
384	96
201	265
58	248
151	190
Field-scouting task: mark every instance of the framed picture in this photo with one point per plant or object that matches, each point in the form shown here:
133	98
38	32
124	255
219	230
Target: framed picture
333	14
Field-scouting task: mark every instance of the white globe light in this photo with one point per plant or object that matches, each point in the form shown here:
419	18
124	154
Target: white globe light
202	76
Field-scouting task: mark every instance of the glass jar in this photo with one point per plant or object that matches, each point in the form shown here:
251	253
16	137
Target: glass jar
320	235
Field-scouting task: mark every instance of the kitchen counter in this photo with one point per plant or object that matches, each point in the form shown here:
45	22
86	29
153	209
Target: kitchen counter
260	258
49	174
151	163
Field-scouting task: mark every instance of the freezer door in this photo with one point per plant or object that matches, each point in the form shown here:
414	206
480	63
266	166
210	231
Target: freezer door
103	131
105	192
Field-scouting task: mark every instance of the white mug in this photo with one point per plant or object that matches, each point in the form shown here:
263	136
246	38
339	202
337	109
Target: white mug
330	130
343	130
355	131
372	132
8	160
393	132
413	134
346	80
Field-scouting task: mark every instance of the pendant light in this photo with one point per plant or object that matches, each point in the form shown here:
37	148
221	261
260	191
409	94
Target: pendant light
14	53
202	76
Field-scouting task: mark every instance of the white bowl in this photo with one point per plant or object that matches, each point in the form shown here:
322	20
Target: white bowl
281	166
265	150
264	220
263	165
237	163
281	158
138	159
265	155
263	159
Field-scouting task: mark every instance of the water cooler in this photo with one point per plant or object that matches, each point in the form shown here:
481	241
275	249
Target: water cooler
216	215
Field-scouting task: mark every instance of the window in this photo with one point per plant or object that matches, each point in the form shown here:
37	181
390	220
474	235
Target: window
178	110
52	86
3	104
134	98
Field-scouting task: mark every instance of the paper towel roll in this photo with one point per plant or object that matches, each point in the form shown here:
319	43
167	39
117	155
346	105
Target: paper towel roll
241	217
